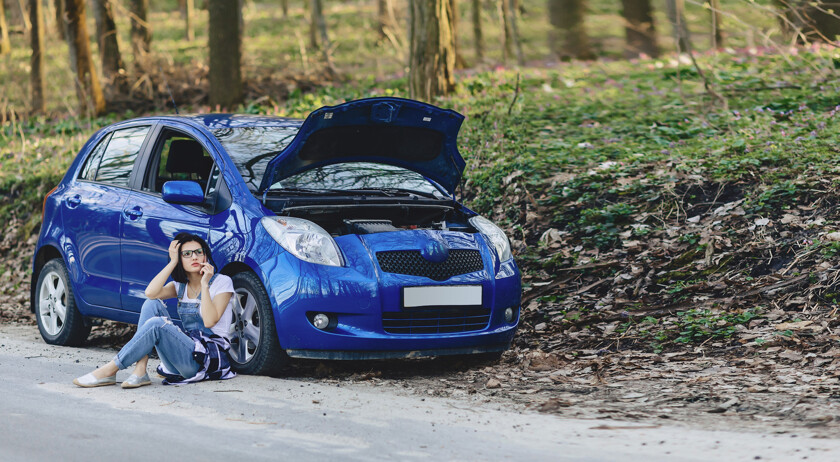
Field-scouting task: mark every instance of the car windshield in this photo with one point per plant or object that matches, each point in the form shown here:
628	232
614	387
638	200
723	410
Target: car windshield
359	176
251	148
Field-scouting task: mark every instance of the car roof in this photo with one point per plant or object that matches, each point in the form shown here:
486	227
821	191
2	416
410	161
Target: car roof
216	121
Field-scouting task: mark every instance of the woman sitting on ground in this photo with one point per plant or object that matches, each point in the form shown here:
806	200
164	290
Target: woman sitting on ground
199	351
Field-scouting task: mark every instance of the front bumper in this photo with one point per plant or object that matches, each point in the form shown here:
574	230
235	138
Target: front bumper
358	294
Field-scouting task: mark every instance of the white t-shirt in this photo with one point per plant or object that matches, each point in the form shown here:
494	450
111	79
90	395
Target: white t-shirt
222	284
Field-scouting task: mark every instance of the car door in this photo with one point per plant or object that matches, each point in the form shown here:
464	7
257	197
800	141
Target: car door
91	214
150	223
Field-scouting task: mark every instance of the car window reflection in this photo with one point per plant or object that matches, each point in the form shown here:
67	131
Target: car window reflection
251	148
359	175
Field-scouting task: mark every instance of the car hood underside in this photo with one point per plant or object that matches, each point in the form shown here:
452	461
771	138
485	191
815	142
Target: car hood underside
394	131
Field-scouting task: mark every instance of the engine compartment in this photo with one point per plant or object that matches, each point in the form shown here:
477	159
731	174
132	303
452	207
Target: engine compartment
342	217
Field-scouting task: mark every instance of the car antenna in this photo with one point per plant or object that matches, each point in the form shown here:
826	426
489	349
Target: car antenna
165	83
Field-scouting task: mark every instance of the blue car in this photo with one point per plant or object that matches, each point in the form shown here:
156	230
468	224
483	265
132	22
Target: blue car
341	233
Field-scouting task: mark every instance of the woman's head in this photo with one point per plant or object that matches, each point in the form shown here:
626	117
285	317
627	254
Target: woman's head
193	251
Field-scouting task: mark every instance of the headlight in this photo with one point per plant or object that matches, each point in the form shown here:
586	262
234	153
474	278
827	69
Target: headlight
304	239
495	234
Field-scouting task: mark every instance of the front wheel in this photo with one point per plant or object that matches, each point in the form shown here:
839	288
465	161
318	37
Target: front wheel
59	321
254	347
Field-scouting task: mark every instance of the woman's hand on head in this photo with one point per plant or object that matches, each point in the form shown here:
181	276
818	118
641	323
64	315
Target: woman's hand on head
206	273
174	252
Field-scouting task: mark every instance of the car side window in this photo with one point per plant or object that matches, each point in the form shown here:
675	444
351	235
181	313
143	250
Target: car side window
92	162
118	159
179	157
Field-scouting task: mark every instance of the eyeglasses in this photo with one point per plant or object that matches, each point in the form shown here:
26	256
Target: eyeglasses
188	253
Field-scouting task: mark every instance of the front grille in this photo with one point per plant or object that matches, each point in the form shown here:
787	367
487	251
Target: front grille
438	321
411	262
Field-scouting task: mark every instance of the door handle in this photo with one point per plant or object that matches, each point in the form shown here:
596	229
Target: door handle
133	213
74	201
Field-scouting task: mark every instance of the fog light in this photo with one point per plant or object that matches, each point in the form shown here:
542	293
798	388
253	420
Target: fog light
321	321
509	315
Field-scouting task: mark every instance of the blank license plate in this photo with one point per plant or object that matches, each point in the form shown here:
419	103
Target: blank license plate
441	296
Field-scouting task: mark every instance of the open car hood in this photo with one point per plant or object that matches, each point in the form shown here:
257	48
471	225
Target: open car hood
395	131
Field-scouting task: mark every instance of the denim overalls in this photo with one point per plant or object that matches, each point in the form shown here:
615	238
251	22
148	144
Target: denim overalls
190	312
190	354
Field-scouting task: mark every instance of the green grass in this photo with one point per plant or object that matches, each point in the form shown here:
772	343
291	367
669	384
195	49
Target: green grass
609	151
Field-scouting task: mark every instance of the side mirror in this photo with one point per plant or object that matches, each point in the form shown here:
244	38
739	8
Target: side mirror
183	192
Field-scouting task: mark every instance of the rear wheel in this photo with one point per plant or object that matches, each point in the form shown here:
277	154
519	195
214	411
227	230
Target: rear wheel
59	321
254	347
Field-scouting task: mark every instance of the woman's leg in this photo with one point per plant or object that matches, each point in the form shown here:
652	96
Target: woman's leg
150	309
174	347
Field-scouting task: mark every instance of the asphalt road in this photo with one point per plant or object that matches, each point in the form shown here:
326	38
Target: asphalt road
46	418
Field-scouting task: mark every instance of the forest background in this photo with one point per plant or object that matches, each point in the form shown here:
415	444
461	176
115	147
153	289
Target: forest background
666	170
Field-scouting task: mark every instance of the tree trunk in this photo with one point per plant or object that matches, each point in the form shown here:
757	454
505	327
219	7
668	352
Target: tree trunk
477	33
507	42
454	19
141	33
318	32
113	67
568	38
59	19
639	28
513	9
383	17
24	16
88	90
679	28
5	45
225	43
36	73
189	12
717	24
285	5
316	18
432	50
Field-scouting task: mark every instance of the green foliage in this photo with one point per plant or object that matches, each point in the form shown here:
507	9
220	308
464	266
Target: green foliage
698	325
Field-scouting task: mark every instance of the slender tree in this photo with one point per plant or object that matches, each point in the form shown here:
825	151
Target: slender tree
24	16
513	12
141	32
189	12
59	18
675	10
88	90
383	17
568	37
318	34
454	19
225	43
717	23
507	43
36	73
639	28
477	33
316	18
284	4
432	50
113	67
5	45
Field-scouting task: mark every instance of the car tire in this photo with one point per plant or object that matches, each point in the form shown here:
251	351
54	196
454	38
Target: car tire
255	349
59	320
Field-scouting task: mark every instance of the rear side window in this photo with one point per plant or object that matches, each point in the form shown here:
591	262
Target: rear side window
118	159
92	162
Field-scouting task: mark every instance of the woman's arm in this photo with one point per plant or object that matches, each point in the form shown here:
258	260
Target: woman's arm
156	288
212	308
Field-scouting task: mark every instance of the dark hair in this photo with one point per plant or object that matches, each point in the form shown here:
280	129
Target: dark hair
179	274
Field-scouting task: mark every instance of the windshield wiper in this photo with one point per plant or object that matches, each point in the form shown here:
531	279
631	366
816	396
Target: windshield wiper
389	192
394	192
